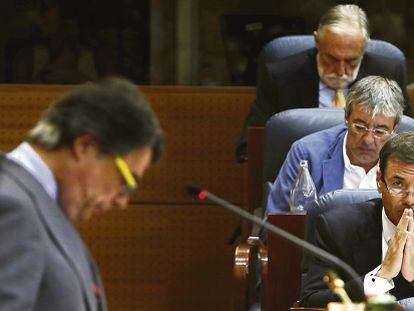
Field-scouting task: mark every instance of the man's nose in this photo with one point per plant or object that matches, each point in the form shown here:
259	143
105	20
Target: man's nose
340	68
368	138
121	201
408	199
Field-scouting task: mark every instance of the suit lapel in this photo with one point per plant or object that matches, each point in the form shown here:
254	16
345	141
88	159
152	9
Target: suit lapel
68	241
333	167
59	228
101	299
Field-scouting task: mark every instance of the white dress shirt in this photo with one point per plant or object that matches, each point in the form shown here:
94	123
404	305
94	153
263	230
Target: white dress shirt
25	156
373	284
355	176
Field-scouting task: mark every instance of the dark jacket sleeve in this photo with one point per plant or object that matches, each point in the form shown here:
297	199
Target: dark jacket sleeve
262	108
401	79
315	293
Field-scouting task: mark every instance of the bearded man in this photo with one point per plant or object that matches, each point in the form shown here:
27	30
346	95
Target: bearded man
321	76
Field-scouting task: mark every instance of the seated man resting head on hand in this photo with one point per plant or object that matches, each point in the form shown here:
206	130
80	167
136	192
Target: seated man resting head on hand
376	237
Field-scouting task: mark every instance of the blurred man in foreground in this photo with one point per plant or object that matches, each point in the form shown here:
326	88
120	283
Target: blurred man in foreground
85	156
376	237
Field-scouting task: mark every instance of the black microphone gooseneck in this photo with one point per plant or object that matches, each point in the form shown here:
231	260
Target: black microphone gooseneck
203	194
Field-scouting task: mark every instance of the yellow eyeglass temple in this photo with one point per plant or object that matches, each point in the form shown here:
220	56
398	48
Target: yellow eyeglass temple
126	172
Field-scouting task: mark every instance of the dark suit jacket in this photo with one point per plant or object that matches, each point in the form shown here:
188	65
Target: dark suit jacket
354	234
293	82
44	265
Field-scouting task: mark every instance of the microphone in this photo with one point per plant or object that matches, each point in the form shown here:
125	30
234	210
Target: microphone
203	194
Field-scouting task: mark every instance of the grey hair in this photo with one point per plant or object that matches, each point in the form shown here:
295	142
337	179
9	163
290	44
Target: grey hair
45	132
376	95
344	18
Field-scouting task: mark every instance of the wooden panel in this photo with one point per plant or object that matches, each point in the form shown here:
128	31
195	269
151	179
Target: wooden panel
202	127
284	276
20	108
164	257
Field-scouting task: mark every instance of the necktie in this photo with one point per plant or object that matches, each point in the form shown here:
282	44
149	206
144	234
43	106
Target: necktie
339	99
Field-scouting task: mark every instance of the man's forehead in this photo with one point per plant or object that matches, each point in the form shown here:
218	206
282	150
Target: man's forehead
398	169
342	45
138	159
337	33
359	113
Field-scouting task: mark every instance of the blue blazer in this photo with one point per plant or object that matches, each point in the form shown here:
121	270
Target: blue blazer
324	152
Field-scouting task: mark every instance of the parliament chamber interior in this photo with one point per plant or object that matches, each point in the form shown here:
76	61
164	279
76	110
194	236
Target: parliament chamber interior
195	62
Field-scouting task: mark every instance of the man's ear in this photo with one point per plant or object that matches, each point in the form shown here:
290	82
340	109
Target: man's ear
396	127
315	36
380	184
347	118
84	145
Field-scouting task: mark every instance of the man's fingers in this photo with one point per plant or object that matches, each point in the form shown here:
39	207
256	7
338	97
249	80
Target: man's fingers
410	224
403	223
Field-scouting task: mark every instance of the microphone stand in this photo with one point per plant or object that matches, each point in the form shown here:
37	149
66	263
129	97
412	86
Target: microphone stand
310	248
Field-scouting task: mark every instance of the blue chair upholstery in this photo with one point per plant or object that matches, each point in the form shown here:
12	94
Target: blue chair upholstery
334	199
284	46
287	126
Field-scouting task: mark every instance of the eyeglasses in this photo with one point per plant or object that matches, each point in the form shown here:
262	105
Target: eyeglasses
378	132
131	184
397	190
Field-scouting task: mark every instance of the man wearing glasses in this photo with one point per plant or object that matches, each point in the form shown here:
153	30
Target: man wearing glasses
83	157
376	237
345	156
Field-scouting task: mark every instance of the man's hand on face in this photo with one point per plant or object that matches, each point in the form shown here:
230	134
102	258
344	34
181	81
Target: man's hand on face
393	260
407	268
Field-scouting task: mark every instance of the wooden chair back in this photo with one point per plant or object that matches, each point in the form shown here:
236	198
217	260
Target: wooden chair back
282	288
255	137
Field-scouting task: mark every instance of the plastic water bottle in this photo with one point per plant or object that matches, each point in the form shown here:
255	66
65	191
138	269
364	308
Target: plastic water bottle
303	191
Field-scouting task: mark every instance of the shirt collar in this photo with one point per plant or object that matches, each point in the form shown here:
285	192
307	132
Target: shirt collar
388	228
322	85
324	88
29	159
347	162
